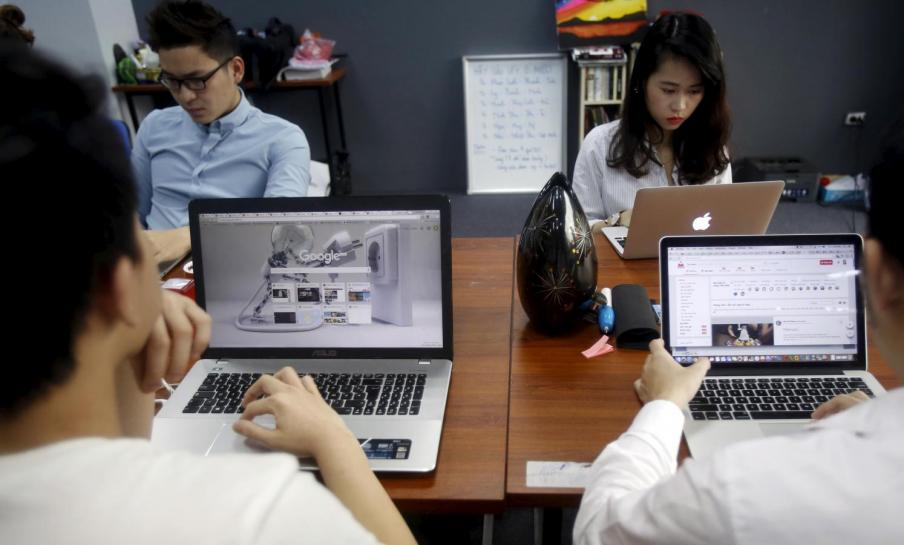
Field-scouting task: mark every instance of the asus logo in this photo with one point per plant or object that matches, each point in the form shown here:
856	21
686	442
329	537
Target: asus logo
324	353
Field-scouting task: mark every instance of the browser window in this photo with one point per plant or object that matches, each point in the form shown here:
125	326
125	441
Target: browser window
790	303
333	279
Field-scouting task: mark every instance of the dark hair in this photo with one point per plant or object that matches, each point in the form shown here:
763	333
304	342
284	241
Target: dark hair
64	165
699	143
885	193
11	21
179	23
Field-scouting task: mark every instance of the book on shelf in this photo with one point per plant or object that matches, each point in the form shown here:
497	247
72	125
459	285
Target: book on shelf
598	90
607	54
614	71
596	115
598	78
305	70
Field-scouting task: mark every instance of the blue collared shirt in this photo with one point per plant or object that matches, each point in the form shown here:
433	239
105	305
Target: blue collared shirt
245	153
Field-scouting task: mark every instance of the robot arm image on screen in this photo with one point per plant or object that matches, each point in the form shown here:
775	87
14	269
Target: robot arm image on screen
288	244
338	250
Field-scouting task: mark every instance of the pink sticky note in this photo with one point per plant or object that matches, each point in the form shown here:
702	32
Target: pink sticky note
599	348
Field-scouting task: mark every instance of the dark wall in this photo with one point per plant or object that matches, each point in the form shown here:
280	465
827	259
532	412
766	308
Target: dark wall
795	68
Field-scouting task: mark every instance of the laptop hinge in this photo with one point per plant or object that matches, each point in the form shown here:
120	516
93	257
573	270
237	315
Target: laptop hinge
777	370
423	362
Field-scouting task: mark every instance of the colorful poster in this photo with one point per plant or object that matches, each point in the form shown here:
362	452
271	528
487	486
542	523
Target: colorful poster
584	23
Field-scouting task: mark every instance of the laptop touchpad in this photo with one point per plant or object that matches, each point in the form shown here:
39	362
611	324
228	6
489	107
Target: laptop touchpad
192	435
782	428
230	442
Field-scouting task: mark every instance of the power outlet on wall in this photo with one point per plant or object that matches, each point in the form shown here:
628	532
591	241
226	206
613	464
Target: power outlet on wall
855	119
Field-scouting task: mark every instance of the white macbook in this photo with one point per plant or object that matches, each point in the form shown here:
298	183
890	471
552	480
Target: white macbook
354	291
781	318
715	209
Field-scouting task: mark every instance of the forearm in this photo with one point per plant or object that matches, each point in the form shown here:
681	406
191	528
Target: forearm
136	408
170	243
638	460
347	474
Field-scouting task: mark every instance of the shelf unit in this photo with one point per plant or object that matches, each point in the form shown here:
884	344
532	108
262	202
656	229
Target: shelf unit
603	86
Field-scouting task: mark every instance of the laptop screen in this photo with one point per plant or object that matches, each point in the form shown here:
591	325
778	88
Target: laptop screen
328	279
764	300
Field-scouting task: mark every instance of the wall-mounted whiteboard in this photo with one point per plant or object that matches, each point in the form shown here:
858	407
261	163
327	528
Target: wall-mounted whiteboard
515	121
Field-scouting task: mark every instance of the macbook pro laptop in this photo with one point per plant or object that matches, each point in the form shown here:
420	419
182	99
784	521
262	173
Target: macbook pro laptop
355	292
781	318
714	209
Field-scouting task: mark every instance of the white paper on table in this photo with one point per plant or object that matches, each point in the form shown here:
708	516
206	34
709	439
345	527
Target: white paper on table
558	474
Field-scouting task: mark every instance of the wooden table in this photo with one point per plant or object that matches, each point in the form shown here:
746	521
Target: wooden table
567	408
321	85
470	471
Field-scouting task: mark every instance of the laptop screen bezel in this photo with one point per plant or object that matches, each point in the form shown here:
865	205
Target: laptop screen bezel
860	360
329	204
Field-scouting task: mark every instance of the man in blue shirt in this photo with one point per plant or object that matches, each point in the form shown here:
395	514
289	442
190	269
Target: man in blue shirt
214	143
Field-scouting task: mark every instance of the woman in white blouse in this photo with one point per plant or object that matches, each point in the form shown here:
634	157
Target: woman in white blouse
674	127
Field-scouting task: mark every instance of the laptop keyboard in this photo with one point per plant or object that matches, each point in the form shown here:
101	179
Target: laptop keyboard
621	240
768	398
353	394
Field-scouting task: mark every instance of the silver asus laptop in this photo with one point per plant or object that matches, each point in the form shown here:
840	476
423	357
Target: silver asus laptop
722	209
781	318
354	291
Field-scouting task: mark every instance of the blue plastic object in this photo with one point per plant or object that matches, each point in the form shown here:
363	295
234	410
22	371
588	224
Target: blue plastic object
606	319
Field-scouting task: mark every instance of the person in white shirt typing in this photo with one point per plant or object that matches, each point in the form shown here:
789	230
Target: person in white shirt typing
840	481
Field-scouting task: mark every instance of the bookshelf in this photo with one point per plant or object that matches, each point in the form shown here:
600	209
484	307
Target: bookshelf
602	86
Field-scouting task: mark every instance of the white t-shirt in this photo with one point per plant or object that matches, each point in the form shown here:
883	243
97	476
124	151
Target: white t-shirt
603	190
125	491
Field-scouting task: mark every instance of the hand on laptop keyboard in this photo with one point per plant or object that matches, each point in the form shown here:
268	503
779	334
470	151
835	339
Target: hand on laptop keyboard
839	403
355	394
664	378
305	424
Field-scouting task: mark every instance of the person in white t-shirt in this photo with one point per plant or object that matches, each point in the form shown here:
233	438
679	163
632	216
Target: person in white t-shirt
841	481
674	124
88	351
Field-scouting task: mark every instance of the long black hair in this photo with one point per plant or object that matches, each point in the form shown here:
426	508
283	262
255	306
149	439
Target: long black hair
699	143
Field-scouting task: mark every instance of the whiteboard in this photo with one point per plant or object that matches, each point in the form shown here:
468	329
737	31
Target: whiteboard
515	122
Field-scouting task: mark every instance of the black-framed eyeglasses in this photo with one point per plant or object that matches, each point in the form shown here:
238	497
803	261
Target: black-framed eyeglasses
195	84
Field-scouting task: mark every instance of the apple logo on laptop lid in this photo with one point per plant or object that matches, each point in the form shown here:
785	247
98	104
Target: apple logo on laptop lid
701	223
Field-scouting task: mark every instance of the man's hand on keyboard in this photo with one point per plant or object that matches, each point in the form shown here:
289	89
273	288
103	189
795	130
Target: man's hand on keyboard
839	403
305	424
180	335
664	378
